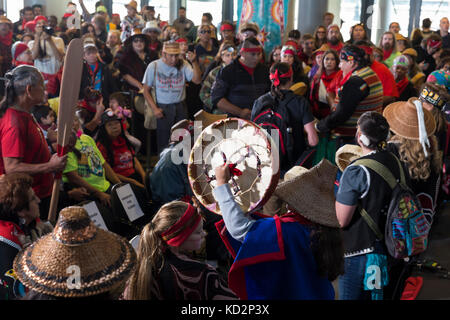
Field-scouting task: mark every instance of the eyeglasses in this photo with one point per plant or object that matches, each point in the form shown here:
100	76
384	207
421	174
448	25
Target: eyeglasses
138	40
205	31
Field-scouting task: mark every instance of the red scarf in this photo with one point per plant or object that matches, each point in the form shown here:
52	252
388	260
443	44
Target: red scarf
401	85
386	54
7	40
344	79
248	69
328	78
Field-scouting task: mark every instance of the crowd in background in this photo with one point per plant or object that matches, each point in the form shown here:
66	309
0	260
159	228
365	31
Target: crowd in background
140	75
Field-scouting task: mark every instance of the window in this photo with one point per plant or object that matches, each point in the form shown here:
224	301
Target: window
161	8
350	14
195	10
12	8
399	12
435	10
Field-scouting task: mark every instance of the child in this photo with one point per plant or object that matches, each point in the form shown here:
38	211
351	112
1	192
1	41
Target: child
45	117
117	104
117	150
165	271
96	74
89	111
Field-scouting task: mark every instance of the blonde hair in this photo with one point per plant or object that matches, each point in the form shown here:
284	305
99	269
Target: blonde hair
116	32
411	153
150	261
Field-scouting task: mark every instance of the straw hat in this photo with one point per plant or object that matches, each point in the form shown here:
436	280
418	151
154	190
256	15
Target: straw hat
105	260
346	154
402	119
132	4
311	193
151	26
411	52
170	47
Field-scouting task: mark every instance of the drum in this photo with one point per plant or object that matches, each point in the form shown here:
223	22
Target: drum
251	154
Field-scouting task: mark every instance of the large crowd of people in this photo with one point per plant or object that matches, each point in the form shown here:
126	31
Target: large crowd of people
141	75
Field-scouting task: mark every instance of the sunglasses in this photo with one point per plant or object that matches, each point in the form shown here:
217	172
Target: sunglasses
205	31
138	40
230	49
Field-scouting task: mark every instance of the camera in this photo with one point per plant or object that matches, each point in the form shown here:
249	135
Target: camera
49	30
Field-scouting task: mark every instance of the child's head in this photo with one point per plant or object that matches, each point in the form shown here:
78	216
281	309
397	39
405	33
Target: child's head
44	115
117	99
90	53
91	96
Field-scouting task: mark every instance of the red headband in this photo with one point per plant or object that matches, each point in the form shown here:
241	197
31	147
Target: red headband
40	18
251	50
275	77
289	51
226	27
183	228
181	40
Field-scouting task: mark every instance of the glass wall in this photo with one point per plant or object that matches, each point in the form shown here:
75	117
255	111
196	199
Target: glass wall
12	8
350	15
161	7
435	10
195	10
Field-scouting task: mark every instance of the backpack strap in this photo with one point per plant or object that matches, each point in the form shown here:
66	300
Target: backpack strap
387	175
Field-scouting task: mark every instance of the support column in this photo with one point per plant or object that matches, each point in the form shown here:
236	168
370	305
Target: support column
366	14
414	15
174	5
227	10
310	14
382	13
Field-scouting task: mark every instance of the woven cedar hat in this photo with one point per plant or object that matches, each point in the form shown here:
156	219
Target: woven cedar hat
323	48
171	47
311	193
132	4
105	260
346	154
402	119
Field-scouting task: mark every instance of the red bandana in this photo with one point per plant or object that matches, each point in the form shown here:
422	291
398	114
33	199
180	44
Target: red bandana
275	77
226	27
183	228
251	50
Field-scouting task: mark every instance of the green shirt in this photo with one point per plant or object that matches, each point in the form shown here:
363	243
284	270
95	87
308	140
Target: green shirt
390	61
90	166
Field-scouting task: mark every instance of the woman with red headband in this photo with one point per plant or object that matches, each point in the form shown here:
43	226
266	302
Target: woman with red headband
165	270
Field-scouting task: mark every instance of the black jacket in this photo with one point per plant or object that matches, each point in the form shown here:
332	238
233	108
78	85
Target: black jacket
109	85
240	88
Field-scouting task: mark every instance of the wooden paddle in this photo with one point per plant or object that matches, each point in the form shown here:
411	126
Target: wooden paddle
68	98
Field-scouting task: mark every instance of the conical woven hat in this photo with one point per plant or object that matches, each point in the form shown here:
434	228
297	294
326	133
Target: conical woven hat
346	154
102	259
402	119
311	194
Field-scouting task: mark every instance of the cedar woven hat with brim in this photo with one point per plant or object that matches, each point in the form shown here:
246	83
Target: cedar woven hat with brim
403	120
132	4
311	193
323	48
346	154
105	260
171	47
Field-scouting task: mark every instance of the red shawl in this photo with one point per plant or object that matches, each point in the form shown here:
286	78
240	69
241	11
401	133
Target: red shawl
401	85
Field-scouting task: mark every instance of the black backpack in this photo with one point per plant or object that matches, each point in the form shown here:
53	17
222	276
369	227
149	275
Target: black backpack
272	114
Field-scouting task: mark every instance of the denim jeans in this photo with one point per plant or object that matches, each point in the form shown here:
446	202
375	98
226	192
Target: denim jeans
351	286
